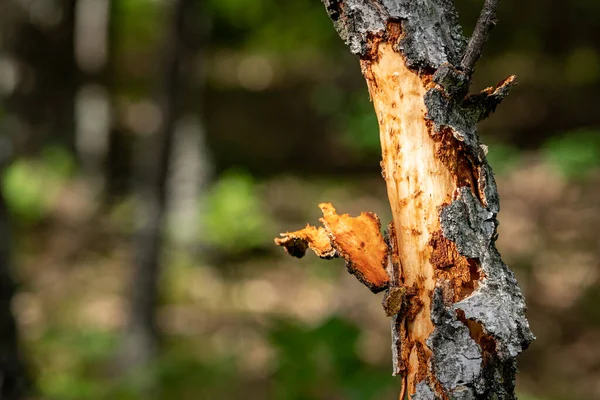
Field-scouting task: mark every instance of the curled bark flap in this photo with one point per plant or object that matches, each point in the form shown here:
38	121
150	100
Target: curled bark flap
357	239
458	315
296	243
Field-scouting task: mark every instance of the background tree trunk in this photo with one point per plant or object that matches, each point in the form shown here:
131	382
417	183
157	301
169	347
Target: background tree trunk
461	321
44	99
140	343
118	167
14	381
94	105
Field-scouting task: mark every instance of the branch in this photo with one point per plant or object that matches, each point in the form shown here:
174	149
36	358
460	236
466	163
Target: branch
487	20
486	101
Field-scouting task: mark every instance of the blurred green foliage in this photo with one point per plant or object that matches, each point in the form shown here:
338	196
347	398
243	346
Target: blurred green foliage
589	305
359	125
322	362
319	362
582	66
281	28
86	362
70	362
576	154
137	21
233	215
30	186
503	157
352	115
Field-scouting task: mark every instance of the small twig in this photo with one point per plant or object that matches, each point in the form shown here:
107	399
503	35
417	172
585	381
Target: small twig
487	20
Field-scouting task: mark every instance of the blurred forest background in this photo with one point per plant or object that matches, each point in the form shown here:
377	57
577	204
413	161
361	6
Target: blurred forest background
221	123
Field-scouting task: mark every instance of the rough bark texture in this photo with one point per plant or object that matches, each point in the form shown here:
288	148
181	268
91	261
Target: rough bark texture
458	314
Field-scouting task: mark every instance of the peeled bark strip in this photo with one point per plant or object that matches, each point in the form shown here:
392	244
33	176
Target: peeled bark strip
296	243
461	321
358	240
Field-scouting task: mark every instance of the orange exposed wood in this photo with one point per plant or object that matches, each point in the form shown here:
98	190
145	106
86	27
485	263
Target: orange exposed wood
421	170
360	242
357	239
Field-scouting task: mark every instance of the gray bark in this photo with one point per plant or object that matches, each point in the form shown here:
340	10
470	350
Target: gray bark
461	366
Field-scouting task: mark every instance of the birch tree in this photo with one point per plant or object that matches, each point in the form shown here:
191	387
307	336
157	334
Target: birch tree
457	313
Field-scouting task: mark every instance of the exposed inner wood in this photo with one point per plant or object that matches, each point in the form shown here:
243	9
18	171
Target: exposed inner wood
418	182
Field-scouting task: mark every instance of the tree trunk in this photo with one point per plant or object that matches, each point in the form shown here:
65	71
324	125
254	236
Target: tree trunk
44	97
94	108
458	315
192	166
141	338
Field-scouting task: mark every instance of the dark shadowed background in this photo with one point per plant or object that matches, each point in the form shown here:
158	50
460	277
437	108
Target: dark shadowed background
222	123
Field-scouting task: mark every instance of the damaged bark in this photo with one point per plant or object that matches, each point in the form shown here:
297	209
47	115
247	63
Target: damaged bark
458	315
358	240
